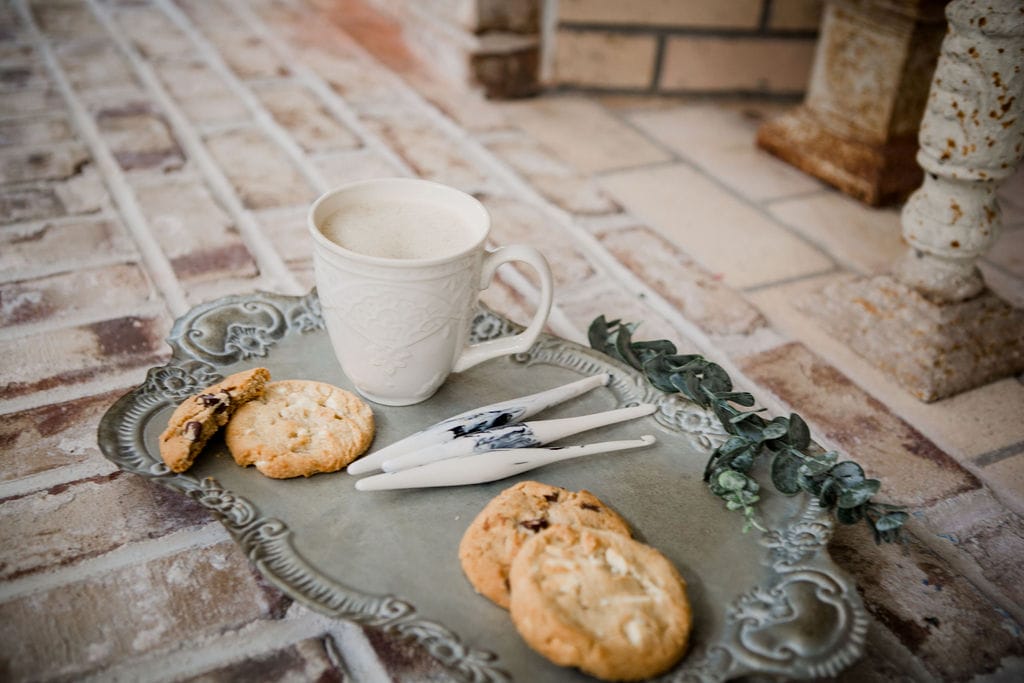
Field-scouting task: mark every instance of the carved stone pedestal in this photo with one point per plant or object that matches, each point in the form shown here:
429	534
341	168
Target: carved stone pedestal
857	127
932	324
933	350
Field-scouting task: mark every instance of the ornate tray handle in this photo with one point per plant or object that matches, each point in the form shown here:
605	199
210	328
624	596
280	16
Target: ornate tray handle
808	621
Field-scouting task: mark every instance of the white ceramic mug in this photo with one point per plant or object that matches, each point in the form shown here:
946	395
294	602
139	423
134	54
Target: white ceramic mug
399	321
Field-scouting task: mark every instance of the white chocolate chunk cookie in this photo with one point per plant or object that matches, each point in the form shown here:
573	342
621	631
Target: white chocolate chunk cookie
512	518
299	428
200	416
600	601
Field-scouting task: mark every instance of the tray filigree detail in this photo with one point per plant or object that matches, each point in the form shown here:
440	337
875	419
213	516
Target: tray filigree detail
765	631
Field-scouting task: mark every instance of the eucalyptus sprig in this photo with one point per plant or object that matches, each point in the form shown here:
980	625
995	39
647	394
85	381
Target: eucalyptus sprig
797	464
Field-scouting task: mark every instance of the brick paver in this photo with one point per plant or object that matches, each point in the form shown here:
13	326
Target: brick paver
155	154
726	236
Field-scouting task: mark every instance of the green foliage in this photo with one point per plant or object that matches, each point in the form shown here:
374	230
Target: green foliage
796	464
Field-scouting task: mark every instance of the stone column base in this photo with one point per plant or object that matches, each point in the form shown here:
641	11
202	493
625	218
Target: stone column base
933	350
874	174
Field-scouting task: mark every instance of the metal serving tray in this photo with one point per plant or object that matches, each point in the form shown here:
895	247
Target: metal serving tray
768	603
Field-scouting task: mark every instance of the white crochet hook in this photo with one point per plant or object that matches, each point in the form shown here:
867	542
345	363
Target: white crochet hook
480	469
522	435
478	419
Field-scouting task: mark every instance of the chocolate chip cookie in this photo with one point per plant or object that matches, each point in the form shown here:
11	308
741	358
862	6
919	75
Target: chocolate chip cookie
200	416
513	517
299	428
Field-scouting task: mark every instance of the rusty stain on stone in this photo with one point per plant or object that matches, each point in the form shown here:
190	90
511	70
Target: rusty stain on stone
958	213
866	305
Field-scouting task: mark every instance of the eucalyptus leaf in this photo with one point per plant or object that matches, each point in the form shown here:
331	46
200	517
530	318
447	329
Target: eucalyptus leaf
743	461
785	471
891	521
716	379
811	484
597	333
752	427
686	361
847	474
732	481
813	467
747	497
734	444
742	398
712	481
779	426
658	374
858	494
659	346
799	432
828	493
740	417
622	347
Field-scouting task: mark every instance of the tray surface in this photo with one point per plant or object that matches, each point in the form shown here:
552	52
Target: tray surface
771	603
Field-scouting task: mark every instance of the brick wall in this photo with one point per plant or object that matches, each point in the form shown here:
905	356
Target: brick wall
684	46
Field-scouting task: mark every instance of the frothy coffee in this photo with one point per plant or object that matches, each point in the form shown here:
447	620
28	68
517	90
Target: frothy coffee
399	229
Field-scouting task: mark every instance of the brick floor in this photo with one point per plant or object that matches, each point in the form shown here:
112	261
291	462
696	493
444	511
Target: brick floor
155	154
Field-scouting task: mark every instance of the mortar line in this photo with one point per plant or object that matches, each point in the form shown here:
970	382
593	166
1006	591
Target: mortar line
55	268
153	257
52	146
753	33
122	381
260	636
132	554
792	280
267	259
822	191
335	104
151	309
999	454
63	474
793	98
40	223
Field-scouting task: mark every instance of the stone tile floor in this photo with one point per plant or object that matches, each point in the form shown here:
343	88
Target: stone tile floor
155	154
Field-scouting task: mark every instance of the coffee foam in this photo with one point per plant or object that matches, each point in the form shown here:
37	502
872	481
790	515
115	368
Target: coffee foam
399	229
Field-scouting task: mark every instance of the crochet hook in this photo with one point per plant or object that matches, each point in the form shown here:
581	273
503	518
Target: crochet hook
492	466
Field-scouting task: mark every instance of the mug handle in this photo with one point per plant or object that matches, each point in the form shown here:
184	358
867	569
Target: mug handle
478	353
